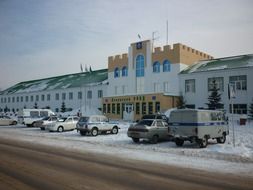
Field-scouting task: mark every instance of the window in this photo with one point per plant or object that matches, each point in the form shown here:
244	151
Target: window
156	67
108	108
113	108
166	87
63	96
13	99
238	108
190	85
116	72
21	99
166	66
118	108
219	81
31	98
140	66
57	96
37	98
144	108
137	108
157	107
26	98
156	87
70	95
17	99
9	99
100	93
42	97
240	82
79	96
150	107
104	108
89	94
48	97
124	71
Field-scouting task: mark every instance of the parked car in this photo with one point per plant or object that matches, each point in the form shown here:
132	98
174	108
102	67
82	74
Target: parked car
6	120
151	129
29	116
198	126
45	121
63	124
95	124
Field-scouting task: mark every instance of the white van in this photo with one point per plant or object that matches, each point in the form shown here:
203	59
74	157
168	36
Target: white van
198	126
29	116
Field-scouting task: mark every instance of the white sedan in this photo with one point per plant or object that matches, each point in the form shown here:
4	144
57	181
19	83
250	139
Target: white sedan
64	124
6	120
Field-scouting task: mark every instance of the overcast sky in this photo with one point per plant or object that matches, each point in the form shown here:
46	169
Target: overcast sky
45	38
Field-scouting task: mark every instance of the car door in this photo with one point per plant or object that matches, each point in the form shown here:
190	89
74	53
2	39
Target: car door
162	130
68	123
104	124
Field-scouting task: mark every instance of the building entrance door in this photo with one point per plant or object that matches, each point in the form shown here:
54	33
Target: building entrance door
128	112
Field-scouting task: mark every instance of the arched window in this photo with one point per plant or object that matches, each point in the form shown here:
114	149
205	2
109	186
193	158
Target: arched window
124	72
140	66
156	67
116	72
166	66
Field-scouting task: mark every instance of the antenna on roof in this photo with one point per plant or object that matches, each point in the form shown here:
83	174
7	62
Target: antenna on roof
167	32
154	38
139	36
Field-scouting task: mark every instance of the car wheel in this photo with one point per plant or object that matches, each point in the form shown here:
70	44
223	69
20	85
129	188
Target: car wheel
179	142
115	130
14	123
136	140
154	139
60	129
33	124
222	139
83	133
94	132
203	142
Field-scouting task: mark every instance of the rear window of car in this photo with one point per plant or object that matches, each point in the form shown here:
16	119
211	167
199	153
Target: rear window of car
146	122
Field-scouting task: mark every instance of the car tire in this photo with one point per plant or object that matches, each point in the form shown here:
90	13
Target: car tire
60	129
222	139
115	130
179	142
83	133
154	139
136	140
94	132
14	123
203	142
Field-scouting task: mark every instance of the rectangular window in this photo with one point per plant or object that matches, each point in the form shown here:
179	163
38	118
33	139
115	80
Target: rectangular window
157	107
100	93
42	97
71	96
108	108
17	99
104	108
26	98
118	108
79	96
137	105
21	99
13	99
57	96
31	98
89	94
5	100
144	107
63	96
219	81
238	108
166	87
37	98
240	82
113	108
190	85
9	99
156	87
150	108
48	97
2	100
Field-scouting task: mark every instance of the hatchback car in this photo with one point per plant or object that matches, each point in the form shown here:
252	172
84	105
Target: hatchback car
151	129
63	124
6	120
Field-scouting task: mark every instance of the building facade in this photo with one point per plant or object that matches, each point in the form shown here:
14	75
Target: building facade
197	80
78	92
145	80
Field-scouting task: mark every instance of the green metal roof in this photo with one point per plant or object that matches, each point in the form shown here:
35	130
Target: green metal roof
241	61
59	82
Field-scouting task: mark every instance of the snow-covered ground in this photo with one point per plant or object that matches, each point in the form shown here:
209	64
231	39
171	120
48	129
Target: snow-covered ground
216	157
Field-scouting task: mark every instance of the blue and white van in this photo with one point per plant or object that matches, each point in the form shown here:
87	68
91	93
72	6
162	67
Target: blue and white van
29	116
197	125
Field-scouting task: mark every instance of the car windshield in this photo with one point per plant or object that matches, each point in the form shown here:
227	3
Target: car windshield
84	119
45	118
146	122
62	119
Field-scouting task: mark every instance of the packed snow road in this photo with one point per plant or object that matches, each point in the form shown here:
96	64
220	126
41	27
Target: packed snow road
222	158
27	166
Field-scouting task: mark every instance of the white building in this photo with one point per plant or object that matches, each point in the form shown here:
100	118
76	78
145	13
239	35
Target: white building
81	90
196	82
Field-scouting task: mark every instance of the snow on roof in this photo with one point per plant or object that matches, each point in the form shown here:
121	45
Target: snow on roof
59	82
241	61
